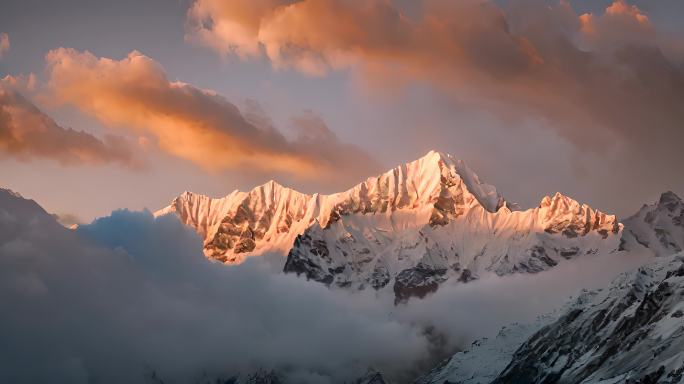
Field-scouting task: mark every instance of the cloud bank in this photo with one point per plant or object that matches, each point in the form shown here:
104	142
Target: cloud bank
610	83
26	133
195	124
130	297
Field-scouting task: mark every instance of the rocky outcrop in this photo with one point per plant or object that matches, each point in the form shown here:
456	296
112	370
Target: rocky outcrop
417	281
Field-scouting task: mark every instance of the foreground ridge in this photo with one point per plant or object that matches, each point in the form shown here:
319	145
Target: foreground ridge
629	333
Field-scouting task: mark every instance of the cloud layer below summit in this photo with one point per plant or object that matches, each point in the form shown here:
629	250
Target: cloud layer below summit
130	296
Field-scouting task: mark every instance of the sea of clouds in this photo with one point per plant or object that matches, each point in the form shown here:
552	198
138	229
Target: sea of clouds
130	298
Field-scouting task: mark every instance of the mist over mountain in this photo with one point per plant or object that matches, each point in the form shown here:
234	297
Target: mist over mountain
131	297
410	229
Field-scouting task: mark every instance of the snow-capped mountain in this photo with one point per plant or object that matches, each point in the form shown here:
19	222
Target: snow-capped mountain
658	227
632	332
432	220
623	323
410	228
270	216
242	224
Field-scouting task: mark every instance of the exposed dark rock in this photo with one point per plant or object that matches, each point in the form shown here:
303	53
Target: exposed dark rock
302	264
246	244
380	277
569	252
417	282
466	276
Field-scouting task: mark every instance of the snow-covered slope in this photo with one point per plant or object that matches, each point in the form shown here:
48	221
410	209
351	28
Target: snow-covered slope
482	362
658	226
431	220
632	332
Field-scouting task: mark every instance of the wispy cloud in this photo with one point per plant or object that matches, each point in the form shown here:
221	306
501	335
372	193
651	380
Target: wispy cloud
192	123
26	133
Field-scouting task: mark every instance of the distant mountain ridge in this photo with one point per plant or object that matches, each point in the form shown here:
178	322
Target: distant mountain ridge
414	227
270	216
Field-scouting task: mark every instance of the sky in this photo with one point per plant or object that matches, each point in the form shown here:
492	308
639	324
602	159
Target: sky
105	105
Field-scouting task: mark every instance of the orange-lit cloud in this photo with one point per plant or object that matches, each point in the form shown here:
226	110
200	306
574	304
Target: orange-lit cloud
194	124
315	36
619	23
21	83
4	44
26	133
602	81
619	8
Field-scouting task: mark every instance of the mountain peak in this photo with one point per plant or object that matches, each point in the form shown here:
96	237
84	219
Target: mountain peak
434	155
557	199
11	193
19	207
658	226
669	199
437	171
272	184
